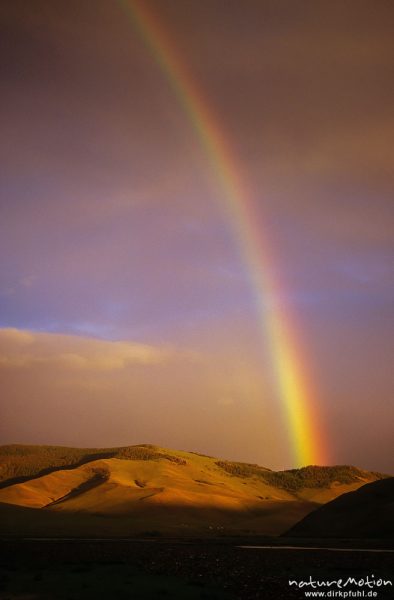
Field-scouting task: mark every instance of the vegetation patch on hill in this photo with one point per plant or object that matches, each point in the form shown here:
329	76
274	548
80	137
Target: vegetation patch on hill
296	479
146	452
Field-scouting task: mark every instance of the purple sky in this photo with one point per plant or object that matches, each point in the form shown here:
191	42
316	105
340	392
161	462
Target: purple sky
127	312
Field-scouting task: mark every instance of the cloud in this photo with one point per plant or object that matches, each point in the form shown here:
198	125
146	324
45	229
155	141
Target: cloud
80	391
15	337
20	348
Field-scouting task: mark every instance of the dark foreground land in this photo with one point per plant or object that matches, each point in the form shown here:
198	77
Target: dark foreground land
142	569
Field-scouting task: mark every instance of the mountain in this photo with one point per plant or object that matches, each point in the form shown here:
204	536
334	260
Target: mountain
148	490
365	513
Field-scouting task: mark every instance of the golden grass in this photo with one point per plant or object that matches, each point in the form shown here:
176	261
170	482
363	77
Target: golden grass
171	492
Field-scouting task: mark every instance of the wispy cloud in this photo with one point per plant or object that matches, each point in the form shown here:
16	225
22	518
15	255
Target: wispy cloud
20	348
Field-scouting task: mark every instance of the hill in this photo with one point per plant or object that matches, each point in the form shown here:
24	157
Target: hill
365	513
20	462
148	490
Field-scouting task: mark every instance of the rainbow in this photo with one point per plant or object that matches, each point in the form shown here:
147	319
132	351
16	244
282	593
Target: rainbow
294	384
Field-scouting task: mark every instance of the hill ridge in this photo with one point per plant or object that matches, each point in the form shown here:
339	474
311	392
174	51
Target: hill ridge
174	491
20	463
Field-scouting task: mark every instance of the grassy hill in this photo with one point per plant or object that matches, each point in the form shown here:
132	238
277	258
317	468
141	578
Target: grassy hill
20	462
150	490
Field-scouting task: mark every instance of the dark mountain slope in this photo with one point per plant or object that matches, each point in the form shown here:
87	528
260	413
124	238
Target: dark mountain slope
365	513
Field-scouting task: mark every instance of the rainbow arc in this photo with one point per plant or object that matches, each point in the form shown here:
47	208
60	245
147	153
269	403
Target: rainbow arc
294	384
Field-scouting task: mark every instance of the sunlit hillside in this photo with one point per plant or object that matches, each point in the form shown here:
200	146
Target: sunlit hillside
150	490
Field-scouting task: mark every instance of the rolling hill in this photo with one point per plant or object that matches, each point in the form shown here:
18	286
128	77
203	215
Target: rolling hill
148	490
365	513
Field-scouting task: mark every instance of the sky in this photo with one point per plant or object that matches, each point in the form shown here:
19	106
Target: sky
128	312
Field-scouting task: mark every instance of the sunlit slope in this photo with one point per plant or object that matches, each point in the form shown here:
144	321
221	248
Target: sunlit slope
123	486
150	488
37	493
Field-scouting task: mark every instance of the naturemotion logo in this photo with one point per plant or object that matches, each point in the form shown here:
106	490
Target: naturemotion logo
352	587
